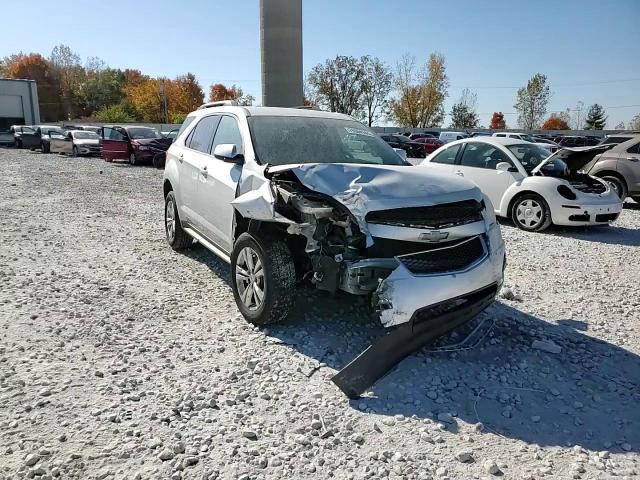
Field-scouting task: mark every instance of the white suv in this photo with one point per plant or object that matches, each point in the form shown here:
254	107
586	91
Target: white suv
289	196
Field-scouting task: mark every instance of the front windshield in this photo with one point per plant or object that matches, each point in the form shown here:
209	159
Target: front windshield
280	140
84	135
138	133
528	155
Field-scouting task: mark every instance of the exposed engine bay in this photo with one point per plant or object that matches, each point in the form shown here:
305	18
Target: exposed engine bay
426	249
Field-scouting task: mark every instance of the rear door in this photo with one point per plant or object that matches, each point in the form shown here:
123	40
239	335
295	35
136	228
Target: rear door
217	183
115	144
193	159
629	167
478	163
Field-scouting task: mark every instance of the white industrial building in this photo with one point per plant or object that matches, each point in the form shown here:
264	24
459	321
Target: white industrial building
18	103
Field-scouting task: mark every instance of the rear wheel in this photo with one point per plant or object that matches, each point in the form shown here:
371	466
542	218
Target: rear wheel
531	212
176	236
46	148
133	160
18	143
617	185
263	278
75	151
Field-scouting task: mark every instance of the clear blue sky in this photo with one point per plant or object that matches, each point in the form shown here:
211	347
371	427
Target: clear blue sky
588	49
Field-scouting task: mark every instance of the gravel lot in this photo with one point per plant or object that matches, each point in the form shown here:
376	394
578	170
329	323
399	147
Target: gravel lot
120	358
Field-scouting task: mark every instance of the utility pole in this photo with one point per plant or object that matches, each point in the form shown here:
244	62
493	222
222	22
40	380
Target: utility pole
164	99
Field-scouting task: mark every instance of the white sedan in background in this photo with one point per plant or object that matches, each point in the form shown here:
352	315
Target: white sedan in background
527	184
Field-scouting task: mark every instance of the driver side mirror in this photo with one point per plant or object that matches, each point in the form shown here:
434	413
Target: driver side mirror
227	153
505	167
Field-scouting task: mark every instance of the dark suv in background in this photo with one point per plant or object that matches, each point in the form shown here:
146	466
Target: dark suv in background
413	149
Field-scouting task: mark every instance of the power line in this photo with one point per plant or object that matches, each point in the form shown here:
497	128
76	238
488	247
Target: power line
553	85
567	110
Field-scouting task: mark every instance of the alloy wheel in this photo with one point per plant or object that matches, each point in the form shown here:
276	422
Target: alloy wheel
170	220
250	278
529	213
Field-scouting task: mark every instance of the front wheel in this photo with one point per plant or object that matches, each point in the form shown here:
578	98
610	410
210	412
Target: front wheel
263	278
46	148
74	151
531	212
18	144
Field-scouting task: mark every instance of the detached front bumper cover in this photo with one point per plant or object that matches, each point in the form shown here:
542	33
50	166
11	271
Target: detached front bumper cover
425	326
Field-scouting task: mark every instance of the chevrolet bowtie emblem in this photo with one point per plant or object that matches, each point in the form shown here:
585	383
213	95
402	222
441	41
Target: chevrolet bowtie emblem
433	236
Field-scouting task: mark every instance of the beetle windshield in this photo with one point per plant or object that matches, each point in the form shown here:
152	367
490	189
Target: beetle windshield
529	155
282	140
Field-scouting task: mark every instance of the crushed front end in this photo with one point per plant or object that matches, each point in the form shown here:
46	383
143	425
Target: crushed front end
426	250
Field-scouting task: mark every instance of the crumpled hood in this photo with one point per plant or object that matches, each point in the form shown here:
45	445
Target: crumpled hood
576	158
157	143
367	188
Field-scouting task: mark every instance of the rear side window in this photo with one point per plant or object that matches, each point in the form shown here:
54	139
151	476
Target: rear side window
634	149
447	156
202	135
228	132
112	134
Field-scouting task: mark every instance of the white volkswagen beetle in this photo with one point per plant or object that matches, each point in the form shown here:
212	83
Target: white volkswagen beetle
528	185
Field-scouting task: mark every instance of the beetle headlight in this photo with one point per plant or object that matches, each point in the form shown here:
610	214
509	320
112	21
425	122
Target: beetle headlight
566	192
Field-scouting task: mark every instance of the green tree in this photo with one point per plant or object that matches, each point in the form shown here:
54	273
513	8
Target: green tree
463	113
114	114
596	119
66	64
376	85
337	84
634	124
532	101
102	88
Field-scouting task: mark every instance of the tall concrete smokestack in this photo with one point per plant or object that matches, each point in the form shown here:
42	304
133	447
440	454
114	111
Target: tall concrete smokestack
281	44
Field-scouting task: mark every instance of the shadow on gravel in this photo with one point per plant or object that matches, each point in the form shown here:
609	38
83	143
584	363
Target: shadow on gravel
585	395
631	205
588	394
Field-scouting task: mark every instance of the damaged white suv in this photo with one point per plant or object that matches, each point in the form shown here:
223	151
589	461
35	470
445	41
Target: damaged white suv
288	196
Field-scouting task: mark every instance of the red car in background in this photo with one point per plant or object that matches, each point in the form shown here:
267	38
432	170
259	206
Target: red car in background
135	144
430	144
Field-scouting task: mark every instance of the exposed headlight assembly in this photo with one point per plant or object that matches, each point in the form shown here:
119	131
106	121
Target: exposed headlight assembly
566	192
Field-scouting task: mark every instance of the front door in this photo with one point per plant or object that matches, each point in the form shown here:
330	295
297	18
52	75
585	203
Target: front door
191	159
445	159
478	163
30	138
217	182
58	142
115	144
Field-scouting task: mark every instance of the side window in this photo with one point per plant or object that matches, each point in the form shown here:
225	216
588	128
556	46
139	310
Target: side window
500	135
112	134
187	121
482	155
634	149
228	132
203	133
448	156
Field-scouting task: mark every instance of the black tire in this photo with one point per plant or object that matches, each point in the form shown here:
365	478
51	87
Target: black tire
539	216
636	198
45	148
133	160
18	143
618	185
74	151
178	239
278	279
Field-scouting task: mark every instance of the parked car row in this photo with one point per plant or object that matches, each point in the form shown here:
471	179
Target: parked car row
135	144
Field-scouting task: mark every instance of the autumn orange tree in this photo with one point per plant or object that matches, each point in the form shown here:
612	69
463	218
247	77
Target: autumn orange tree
34	66
555	122
219	92
497	121
184	95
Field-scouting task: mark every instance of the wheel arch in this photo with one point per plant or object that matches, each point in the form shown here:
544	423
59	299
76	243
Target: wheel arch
611	173
519	194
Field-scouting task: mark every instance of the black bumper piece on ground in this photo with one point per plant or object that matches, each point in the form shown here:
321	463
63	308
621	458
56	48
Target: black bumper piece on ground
425	326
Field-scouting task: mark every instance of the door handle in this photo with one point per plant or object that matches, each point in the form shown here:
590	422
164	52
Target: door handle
203	171
632	159
181	157
458	172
